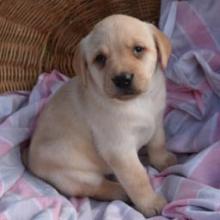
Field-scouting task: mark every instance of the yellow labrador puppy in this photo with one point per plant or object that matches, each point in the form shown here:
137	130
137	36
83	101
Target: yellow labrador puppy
96	123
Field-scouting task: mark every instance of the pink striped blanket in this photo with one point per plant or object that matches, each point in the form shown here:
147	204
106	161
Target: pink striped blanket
192	124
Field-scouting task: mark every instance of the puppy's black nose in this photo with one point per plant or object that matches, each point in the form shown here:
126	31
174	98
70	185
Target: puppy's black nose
123	81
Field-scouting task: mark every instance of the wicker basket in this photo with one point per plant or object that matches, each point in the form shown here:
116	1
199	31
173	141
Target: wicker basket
41	35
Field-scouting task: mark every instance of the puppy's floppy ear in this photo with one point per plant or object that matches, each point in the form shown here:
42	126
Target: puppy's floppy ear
79	63
163	46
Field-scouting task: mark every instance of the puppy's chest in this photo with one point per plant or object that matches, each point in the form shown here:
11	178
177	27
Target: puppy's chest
142	129
135	125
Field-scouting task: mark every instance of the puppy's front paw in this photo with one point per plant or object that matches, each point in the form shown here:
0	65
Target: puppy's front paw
153	206
161	162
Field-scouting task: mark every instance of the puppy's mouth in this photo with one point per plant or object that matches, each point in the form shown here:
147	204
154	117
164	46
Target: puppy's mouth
127	94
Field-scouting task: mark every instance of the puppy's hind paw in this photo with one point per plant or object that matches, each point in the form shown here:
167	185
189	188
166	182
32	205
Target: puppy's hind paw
164	161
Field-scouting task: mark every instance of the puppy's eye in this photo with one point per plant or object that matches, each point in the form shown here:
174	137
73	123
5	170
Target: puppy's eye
101	59
138	50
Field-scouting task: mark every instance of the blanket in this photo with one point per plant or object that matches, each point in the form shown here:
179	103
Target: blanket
192	123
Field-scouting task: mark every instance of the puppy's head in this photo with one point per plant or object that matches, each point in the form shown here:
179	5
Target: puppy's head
120	55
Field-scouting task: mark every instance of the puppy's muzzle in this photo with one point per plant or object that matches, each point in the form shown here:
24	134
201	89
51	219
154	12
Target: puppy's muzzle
124	82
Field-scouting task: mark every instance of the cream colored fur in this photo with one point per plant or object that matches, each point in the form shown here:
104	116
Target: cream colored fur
89	130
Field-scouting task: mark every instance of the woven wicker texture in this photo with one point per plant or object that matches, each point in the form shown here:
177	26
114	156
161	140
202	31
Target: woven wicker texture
41	35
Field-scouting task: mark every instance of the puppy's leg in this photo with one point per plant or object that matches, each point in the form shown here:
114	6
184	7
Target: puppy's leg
89	184
158	155
133	177
108	190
